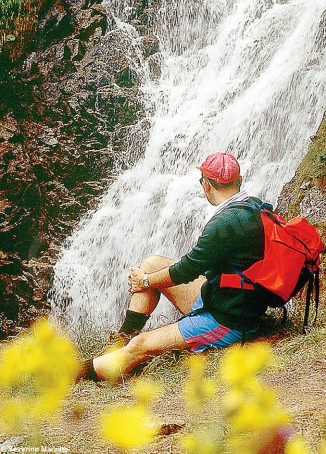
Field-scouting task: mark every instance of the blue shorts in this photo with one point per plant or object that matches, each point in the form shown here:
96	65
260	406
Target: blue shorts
201	331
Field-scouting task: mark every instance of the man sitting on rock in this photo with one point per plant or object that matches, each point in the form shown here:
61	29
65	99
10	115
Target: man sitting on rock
214	316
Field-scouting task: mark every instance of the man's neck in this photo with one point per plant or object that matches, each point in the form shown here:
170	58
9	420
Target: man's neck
221	196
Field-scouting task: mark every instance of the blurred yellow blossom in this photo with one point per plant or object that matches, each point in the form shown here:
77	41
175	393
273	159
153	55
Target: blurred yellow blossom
322	449
251	408
37	369
233	400
145	390
254	416
296	445
199	443
197	387
196	365
197	391
129	427
239	363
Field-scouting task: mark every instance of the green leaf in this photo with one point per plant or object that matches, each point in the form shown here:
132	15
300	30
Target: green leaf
10	38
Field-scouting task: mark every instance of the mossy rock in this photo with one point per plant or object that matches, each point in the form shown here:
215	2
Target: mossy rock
126	78
307	189
310	177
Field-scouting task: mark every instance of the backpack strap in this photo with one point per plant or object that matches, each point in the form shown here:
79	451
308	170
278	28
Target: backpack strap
252	203
313	283
284	315
236	280
316	295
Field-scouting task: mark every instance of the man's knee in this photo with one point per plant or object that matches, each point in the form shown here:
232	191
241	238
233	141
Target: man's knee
137	345
155	262
151	343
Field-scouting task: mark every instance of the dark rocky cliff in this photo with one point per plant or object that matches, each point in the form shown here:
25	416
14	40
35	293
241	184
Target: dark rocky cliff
68	102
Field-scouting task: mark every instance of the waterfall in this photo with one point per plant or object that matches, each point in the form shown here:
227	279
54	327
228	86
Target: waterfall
244	76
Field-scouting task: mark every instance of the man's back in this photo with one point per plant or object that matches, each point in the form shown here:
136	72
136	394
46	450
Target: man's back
231	241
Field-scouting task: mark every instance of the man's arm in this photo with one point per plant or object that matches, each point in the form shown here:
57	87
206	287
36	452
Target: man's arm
158	279
208	254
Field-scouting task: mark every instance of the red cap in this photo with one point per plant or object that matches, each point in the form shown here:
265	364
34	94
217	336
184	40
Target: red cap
221	167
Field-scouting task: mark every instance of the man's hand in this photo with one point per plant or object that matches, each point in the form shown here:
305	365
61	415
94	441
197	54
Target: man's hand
158	279
136	280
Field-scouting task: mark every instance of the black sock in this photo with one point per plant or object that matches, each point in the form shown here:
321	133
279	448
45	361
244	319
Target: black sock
90	373
134	321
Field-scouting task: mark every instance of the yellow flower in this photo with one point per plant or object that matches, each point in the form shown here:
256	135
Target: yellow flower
42	331
323	448
47	404
233	400
239	364
252	416
129	427
266	397
198	443
12	414
198	388
296	445
145	390
208	388
196	391
196	365
251	408
37	369
236	397
191	442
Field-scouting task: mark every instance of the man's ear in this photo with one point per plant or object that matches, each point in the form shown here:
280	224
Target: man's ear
207	185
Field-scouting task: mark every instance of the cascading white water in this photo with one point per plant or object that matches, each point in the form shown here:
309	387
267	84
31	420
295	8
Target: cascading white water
246	76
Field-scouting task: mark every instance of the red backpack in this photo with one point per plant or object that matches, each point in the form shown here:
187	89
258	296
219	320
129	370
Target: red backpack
291	259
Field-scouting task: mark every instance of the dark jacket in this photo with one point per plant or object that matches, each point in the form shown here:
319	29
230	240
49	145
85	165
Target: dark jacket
231	241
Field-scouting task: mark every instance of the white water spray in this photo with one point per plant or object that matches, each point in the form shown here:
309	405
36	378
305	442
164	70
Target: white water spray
246	76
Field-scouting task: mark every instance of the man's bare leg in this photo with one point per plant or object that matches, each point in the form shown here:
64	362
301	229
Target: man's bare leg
151	343
141	348
181	296
143	303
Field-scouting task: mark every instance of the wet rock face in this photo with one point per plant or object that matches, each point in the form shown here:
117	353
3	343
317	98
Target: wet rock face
66	113
311	202
313	205
305	194
22	299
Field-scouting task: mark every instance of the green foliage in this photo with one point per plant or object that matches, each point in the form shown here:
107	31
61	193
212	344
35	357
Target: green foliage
18	23
9	9
10	38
